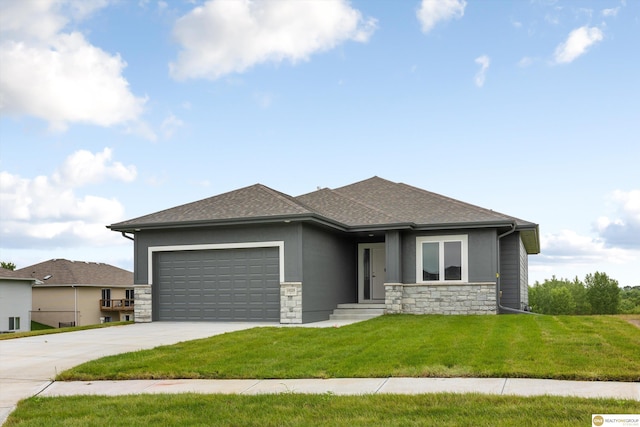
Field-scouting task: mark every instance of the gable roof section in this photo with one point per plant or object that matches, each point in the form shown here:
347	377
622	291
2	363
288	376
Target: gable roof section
65	272
253	202
365	205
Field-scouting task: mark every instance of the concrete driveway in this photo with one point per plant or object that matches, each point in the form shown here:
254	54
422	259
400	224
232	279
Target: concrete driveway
27	365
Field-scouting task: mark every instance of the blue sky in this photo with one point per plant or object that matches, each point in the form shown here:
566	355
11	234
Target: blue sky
115	109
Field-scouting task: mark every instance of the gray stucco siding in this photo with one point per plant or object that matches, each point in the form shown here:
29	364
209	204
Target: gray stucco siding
482	257
330	277
288	233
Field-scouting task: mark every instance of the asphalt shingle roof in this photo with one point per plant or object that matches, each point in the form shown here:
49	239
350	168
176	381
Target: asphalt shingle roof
65	272
407	204
256	201
372	202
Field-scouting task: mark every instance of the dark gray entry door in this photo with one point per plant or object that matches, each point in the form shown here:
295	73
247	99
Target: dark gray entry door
218	285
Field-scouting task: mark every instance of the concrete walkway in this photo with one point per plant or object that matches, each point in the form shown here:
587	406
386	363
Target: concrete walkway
29	365
347	386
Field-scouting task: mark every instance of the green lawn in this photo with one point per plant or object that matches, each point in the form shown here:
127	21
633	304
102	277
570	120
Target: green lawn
48	330
316	410
35	326
559	347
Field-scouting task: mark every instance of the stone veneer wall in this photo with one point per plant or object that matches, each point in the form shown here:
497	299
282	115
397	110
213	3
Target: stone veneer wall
291	302
466	298
142	303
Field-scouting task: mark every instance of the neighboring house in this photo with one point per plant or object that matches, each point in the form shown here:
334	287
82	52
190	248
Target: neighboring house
15	301
78	293
256	254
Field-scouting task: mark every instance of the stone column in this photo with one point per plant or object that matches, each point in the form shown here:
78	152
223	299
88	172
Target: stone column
142	303
393	297
291	302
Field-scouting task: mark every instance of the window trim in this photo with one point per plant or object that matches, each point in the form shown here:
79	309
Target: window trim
441	239
14	323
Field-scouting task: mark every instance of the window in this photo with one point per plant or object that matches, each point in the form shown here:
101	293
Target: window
14	323
128	302
441	259
106	298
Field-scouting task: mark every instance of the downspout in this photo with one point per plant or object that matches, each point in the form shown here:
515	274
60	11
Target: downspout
127	237
502	308
75	305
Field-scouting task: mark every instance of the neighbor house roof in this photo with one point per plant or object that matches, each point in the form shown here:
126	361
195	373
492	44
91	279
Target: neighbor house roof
374	203
64	272
14	275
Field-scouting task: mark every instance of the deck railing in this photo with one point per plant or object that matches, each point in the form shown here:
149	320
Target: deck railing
116	304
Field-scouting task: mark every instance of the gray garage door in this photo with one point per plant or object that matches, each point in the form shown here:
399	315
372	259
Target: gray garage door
218	285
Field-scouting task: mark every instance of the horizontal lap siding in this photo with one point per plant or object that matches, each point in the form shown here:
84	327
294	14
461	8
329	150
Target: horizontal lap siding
510	270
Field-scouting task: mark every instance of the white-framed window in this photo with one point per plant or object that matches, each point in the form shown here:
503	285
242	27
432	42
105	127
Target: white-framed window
442	259
129	296
14	323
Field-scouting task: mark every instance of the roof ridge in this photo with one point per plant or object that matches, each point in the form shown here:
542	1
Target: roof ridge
292	201
368	206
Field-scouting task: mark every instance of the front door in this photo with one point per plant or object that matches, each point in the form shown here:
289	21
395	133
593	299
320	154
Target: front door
371	272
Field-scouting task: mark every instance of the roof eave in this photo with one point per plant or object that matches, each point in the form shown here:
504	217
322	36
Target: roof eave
132	228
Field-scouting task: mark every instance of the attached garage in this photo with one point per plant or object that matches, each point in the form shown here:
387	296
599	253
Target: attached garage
231	284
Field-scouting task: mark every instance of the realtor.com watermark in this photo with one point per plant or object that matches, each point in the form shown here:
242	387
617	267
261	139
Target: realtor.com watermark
615	420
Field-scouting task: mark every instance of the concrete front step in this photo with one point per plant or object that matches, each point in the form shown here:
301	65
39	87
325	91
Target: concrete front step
357	311
353	316
363	305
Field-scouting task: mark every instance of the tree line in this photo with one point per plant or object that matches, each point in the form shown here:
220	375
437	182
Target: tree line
597	294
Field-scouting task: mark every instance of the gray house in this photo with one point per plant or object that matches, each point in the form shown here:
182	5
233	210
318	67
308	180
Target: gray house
256	254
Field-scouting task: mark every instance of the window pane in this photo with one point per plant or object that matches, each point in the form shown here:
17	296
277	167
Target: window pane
17	323
11	325
367	273
430	261
452	260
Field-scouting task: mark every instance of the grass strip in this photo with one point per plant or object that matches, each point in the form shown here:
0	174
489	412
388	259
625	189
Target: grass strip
557	347
50	330
317	410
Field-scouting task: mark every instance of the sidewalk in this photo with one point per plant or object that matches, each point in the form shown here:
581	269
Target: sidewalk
353	386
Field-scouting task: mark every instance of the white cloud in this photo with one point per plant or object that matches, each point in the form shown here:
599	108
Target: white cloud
568	254
46	211
568	246
611	12
223	37
170	125
263	99
577	44
484	62
433	11
57	75
623	230
526	62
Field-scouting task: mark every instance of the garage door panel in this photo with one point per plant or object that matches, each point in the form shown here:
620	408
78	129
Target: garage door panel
219	285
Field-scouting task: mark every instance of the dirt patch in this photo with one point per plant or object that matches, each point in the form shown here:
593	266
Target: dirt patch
635	322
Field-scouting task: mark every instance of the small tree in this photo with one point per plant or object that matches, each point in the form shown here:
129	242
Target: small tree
8	265
558	296
562	301
603	293
630	300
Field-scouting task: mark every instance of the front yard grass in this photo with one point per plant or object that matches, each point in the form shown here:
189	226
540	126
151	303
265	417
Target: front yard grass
48	330
316	410
558	347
